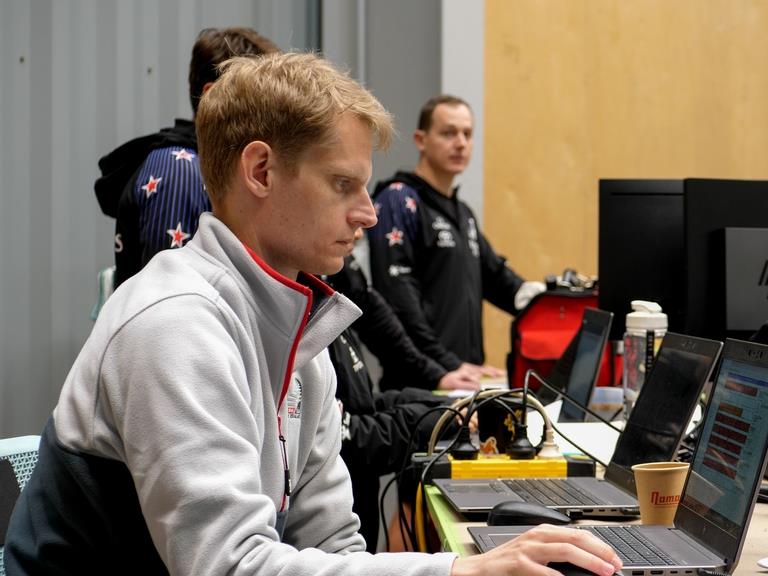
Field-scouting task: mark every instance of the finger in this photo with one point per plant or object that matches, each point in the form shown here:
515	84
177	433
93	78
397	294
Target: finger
580	557
575	546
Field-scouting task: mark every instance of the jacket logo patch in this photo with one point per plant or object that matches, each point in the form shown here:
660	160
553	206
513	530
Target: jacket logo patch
439	223
293	400
474	245
395	270
357	364
445	239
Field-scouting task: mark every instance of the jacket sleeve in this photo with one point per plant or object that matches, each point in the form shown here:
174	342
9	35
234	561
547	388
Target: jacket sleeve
380	440
165	202
500	283
382	332
394	245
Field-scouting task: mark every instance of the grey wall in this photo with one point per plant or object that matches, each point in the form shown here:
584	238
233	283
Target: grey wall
461	63
393	47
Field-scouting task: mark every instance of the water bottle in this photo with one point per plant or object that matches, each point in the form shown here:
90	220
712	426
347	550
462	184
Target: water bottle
645	329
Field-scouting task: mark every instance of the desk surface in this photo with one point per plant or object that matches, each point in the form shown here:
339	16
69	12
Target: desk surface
452	530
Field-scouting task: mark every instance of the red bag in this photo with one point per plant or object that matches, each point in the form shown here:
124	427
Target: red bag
543	330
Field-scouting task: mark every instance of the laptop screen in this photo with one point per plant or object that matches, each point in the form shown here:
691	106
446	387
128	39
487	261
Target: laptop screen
732	443
586	363
665	404
730	456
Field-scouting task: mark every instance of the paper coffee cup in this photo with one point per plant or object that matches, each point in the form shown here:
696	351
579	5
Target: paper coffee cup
659	488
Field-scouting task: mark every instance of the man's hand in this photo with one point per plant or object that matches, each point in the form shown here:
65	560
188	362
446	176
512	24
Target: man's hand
529	554
484	371
459	379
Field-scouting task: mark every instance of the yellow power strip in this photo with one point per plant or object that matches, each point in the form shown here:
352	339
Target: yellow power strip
502	466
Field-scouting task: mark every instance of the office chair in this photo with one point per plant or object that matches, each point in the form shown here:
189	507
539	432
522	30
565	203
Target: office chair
106	279
21	452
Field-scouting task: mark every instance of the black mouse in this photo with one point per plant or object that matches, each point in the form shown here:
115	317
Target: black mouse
568	569
511	513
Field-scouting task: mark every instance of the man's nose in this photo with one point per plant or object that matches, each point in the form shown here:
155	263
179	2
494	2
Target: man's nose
364	214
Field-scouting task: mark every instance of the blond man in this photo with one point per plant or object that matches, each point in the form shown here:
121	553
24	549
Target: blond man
198	432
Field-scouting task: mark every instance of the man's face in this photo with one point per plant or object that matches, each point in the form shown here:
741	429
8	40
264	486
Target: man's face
323	205
447	145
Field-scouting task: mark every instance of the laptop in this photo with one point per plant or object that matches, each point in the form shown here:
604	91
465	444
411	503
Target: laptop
585	367
652	433
719	496
579	383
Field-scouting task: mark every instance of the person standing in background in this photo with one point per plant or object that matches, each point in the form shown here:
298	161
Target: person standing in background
152	185
428	257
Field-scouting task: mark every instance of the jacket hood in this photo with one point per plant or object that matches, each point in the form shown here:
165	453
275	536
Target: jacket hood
119	166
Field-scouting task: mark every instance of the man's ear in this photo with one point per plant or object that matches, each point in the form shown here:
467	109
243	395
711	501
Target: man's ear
418	139
256	161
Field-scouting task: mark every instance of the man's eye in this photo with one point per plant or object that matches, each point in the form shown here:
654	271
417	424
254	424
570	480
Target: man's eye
343	184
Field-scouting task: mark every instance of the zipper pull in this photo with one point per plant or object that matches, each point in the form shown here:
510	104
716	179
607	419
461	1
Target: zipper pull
286	470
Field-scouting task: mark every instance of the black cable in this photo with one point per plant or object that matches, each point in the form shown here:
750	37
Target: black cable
504	400
382	517
425	476
564	396
579	448
708	572
407	527
406	466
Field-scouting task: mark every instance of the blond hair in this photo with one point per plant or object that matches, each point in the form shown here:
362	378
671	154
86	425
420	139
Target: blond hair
290	101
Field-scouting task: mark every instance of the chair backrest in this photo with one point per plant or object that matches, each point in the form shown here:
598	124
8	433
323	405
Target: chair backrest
21	452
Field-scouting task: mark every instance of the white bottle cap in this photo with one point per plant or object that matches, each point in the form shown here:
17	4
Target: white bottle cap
646	316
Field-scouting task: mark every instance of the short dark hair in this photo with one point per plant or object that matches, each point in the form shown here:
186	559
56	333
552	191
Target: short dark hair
216	45
425	116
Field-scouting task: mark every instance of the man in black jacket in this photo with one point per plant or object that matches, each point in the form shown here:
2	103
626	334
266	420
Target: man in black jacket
428	257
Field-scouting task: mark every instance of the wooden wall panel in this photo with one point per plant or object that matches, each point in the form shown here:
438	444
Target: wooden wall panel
577	90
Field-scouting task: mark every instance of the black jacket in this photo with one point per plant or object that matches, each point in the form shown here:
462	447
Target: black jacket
432	264
384	335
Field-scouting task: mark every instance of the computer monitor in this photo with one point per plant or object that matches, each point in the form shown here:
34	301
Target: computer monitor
726	257
641	248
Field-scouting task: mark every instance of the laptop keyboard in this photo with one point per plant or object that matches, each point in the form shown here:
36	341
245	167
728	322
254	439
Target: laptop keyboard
550	492
631	545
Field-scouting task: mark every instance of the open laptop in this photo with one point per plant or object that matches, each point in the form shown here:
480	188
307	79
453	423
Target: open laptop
585	366
717	502
652	433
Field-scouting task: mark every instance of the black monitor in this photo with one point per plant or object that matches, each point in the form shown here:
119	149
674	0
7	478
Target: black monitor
641	248
726	256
